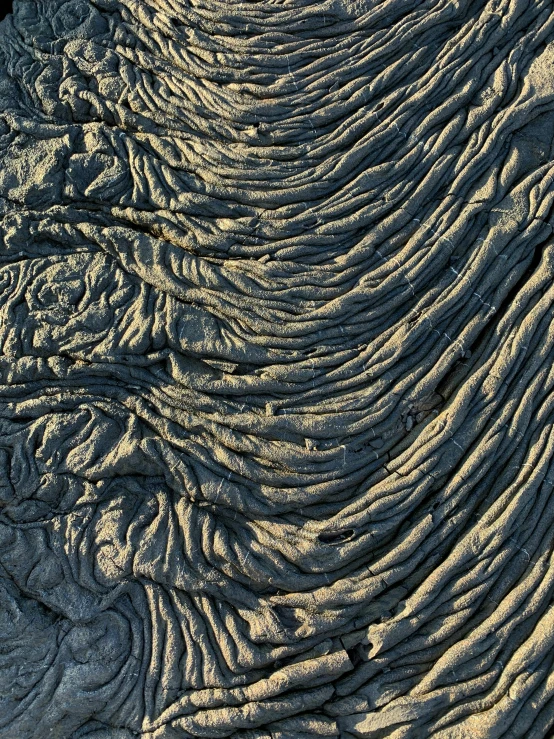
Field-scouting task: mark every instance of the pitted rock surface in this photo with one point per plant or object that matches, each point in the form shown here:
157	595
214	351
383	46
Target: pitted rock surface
276	369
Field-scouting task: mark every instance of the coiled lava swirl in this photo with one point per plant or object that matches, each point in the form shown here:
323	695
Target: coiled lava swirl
277	341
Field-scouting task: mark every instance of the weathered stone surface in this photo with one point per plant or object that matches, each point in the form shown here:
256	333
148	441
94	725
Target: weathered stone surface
276	369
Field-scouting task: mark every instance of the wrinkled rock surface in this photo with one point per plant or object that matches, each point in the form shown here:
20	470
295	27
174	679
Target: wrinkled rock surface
276	369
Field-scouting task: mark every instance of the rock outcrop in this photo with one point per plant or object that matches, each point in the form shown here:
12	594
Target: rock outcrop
276	369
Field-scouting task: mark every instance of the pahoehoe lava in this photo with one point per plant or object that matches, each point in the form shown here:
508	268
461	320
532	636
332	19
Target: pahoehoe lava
276	369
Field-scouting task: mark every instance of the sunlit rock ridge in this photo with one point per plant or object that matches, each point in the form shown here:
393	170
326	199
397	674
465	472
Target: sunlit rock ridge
276	369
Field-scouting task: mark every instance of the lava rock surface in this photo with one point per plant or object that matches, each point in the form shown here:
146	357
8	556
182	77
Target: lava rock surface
276	369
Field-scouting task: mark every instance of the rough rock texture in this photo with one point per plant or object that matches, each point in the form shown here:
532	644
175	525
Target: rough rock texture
277	341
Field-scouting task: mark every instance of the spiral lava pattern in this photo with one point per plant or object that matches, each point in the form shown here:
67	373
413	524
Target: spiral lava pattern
276	369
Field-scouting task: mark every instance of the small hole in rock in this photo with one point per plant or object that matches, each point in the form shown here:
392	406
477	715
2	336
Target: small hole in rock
336	537
287	617
356	654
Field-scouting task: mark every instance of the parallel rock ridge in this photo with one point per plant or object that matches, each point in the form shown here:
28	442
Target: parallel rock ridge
276	367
